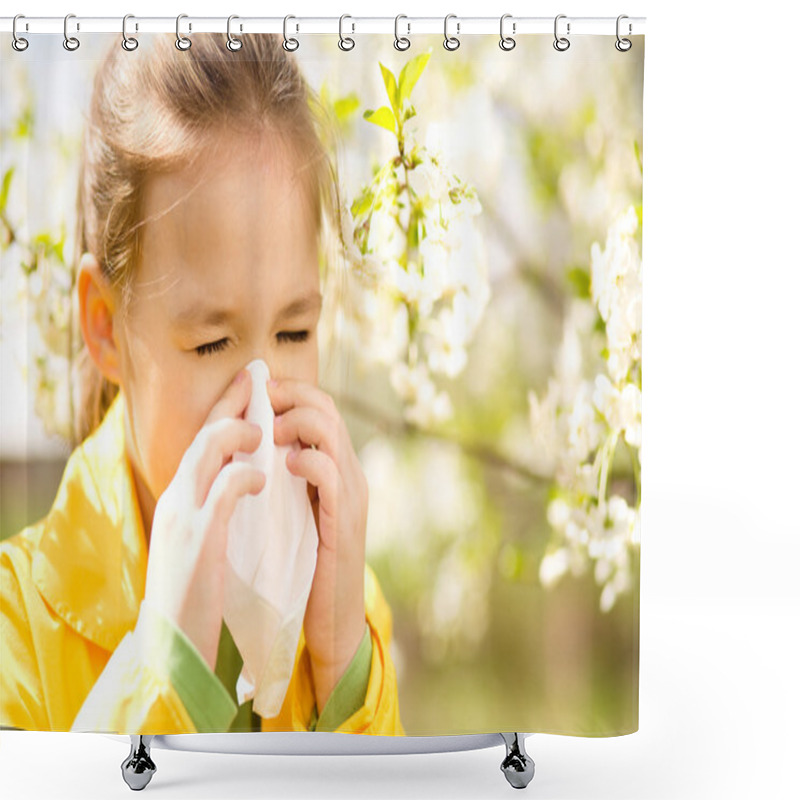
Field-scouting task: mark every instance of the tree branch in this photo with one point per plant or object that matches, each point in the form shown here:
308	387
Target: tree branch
403	428
549	289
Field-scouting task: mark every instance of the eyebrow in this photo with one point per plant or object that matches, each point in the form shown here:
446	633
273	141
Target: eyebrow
208	316
308	302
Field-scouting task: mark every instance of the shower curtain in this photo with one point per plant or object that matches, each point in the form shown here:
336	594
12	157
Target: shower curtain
430	525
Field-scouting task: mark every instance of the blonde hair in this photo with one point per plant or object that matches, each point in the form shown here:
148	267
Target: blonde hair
154	110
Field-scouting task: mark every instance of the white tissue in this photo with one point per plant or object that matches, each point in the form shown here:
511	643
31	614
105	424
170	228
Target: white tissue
271	557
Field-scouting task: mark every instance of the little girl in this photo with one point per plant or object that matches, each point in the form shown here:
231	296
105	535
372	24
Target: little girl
202	186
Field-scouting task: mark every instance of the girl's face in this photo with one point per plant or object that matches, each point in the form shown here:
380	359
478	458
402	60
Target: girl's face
229	272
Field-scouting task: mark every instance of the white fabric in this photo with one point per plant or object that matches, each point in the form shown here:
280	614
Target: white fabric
271	557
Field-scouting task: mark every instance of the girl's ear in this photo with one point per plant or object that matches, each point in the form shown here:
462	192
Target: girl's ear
97	309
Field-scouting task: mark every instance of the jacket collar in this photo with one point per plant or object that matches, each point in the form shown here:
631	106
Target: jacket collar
91	560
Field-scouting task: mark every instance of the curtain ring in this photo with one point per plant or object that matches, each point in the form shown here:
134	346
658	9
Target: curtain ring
506	42
70	42
560	40
346	43
18	43
401	43
450	42
623	45
289	44
128	42
182	42
232	44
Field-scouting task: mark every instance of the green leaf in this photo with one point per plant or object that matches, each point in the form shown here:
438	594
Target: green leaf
548	153
638	155
6	186
580	280
413	235
58	249
414	157
345	107
24	124
43	239
362	204
383	117
409	112
638	208
409	75
391	88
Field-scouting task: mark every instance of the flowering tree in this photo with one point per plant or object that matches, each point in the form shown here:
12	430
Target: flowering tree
420	296
45	280
421	284
579	423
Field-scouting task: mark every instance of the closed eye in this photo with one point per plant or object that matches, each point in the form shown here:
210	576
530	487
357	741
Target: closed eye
293	336
221	344
213	347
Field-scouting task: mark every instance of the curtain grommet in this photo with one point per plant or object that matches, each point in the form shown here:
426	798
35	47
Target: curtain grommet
129	43
401	42
233	44
182	42
70	42
289	43
18	42
451	42
623	45
345	42
507	42
561	43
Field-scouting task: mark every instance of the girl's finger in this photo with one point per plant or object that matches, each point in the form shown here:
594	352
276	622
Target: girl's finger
213	446
290	393
309	426
319	470
233	481
234	399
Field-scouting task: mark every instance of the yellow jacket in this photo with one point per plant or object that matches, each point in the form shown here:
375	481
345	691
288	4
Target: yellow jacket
79	650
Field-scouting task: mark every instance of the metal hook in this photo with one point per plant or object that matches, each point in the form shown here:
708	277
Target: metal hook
560	40
70	42
619	43
233	44
294	43
182	42
451	42
401	43
18	43
506	42
346	43
128	42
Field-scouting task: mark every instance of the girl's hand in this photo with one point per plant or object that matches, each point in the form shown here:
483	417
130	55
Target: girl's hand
337	488
189	537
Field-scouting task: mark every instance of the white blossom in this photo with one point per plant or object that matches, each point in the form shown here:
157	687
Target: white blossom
424	404
622	409
616	289
575	426
584	432
558	513
431	181
553	566
441	280
631	413
450	333
385	235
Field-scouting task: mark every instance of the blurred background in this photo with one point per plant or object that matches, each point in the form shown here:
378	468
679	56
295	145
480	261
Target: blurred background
458	525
